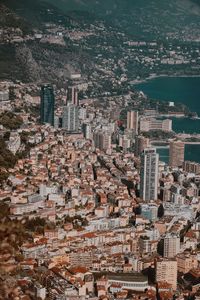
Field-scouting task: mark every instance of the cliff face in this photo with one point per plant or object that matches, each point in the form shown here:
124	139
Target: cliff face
26	58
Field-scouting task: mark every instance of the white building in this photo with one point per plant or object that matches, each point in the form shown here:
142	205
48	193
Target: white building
14	142
147	124
70	118
171	245
133	281
4	95
149	174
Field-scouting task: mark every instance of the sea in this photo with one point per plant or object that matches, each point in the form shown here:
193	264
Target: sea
177	89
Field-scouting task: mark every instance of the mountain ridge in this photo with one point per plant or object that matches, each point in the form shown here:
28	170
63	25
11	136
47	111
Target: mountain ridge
111	22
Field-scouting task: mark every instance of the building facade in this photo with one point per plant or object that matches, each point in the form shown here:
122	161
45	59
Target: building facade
102	140
149	174
186	262
141	143
70	118
147	124
191	167
171	245
72	95
176	153
47	105
87	131
166	271
132	121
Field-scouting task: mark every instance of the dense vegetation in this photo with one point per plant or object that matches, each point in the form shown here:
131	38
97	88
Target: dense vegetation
10	19
10	120
7	160
159	134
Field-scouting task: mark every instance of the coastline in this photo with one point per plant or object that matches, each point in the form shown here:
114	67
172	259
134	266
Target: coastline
155	76
194	114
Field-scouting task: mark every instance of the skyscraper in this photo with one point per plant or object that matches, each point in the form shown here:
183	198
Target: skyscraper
102	140
132	121
72	95
87	131
70	120
141	143
176	153
47	104
149	174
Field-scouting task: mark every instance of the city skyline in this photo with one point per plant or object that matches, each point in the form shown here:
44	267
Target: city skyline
99	150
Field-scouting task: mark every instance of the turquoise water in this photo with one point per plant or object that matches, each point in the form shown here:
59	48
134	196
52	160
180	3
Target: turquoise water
178	89
192	152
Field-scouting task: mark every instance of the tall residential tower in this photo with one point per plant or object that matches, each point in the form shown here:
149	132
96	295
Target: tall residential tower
176	153
47	104
141	143
70	120
132	121
72	95
149	174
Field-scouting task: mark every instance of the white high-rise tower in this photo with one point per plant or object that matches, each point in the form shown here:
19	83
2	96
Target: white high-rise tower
70	120
149	174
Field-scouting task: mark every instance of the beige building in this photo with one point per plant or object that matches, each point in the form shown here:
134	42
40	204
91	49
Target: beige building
144	244
102	140
171	245
176	153
147	124
166	270
141	143
186	262
191	167
132	121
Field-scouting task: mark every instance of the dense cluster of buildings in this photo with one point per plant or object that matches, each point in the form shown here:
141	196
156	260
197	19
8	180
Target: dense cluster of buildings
118	222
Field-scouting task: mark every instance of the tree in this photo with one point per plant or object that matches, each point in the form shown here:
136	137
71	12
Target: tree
10	120
138	210
36	224
4	210
7	159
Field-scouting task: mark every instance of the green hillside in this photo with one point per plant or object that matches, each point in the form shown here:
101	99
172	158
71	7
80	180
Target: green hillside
147	18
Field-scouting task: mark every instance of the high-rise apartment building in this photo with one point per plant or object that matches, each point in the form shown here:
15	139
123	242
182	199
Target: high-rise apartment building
171	245
176	153
124	142
72	95
132	121
149	174
141	143
144	244
70	118
166	271
102	140
87	131
47	104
